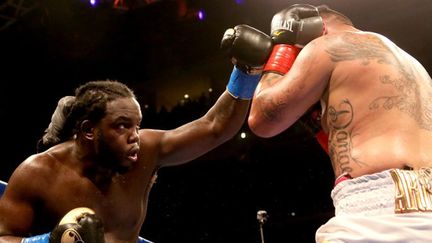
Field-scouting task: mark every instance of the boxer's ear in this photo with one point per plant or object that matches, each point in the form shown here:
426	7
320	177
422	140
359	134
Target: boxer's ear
87	129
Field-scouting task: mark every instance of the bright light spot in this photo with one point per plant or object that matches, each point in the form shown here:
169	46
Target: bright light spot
210	90
93	2
146	106
201	14
292	213
243	135
186	96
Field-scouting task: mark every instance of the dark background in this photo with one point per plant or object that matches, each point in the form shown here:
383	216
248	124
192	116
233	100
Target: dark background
59	44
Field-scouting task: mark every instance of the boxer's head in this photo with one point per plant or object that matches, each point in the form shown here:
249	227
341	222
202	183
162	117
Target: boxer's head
329	15
106	116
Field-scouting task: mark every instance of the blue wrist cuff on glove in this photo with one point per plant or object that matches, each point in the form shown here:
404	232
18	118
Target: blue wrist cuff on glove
242	85
37	239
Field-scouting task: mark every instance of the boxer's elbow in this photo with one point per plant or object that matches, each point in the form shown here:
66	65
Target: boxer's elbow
256	120
258	126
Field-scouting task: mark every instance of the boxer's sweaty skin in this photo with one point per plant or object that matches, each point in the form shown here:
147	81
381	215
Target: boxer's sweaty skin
376	100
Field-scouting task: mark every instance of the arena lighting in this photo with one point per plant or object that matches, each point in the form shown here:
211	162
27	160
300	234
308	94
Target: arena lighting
200	14
243	135
93	3
125	5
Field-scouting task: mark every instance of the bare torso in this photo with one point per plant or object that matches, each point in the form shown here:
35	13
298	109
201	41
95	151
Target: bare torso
121	203
377	106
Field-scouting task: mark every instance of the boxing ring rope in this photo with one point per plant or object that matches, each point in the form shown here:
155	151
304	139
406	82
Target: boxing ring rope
3	188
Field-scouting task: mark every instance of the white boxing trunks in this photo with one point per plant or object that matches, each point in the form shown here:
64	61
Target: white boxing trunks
390	206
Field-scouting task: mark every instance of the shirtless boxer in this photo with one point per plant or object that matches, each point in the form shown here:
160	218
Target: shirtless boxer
99	158
376	104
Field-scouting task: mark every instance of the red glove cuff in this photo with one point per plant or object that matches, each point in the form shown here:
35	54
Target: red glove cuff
281	59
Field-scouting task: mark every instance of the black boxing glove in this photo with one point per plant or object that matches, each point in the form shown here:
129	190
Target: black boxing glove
291	29
297	25
78	225
248	49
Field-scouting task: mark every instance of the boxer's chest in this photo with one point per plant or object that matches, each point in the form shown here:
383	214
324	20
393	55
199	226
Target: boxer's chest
121	205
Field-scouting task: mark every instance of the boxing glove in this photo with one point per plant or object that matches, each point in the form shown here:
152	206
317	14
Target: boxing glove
248	49
78	225
297	25
291	29
55	134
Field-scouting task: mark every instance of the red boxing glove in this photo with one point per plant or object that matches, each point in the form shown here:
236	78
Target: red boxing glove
281	59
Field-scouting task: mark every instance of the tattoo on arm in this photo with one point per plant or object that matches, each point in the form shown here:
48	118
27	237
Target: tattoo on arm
271	107
274	105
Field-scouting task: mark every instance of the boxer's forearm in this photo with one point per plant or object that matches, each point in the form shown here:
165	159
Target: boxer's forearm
227	115
265	109
10	239
196	138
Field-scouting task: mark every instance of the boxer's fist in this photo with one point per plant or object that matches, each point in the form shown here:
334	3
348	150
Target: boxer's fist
291	29
79	225
247	47
296	25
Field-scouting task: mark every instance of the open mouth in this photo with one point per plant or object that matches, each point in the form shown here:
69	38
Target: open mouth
133	154
133	157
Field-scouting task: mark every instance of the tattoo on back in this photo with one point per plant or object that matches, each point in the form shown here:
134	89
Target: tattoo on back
354	48
340	138
408	99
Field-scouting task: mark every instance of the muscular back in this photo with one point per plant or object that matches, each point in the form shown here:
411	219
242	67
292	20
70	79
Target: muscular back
377	105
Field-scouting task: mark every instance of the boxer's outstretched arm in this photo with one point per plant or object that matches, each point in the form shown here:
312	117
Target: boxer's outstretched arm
193	139
248	48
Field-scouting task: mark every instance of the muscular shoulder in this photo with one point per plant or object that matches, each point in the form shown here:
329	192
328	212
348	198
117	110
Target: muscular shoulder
35	166
150	137
356	46
150	141
31	176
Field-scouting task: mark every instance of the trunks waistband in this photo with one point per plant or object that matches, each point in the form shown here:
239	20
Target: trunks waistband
413	190
344	176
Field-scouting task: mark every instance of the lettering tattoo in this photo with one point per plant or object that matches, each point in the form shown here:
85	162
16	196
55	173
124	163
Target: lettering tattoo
340	138
408	99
